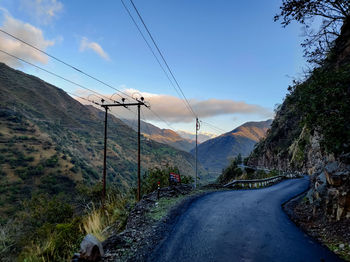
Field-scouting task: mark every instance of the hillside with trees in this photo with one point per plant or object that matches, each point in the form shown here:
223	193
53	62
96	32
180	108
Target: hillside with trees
311	130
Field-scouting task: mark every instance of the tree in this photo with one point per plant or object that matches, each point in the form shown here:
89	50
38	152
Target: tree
333	14
239	159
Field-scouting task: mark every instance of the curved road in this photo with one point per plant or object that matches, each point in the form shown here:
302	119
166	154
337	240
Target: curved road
241	225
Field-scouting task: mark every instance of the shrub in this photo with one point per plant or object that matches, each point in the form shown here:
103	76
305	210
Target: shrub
58	244
230	173
42	209
30	171
155	175
324	102
52	161
7	242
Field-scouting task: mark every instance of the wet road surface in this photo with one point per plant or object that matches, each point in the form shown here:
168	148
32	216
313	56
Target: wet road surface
241	225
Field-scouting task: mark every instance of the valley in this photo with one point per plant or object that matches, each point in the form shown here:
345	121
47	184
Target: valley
174	130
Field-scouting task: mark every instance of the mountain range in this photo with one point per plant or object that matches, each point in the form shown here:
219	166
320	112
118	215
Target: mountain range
202	136
165	136
215	154
50	143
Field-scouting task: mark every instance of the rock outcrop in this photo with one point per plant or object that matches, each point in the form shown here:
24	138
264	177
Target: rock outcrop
294	143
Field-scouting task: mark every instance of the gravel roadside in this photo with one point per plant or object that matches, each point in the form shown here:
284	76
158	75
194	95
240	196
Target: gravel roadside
150	222
333	234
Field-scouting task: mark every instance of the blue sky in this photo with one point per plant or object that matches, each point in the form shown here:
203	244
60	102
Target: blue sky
232	61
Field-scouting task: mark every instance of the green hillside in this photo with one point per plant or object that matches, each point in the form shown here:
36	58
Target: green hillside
50	143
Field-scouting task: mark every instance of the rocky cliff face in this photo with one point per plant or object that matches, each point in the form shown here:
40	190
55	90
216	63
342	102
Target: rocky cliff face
311	131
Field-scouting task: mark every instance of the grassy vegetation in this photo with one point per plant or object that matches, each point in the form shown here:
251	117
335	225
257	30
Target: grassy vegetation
51	146
319	104
163	206
50	225
154	175
324	103
233	172
51	229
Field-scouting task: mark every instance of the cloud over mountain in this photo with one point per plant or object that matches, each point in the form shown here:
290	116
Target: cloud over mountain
173	110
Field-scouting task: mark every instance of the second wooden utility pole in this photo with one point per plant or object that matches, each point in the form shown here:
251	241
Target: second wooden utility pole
138	155
197	128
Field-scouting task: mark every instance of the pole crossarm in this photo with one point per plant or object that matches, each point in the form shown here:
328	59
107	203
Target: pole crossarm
138	103
126	104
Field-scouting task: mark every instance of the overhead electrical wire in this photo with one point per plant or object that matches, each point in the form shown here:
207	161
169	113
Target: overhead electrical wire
149	46
146	123
81	97
161	54
65	63
152	51
187	104
163	58
77	84
104	83
58	76
213	127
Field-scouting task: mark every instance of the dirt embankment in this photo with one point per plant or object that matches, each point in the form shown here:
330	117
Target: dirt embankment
150	222
333	234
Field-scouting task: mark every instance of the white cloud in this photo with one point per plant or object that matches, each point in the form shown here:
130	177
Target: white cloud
43	11
86	44
26	32
173	110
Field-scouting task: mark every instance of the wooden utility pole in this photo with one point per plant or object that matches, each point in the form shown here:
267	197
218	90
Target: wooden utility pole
104	159
197	128
139	103
138	155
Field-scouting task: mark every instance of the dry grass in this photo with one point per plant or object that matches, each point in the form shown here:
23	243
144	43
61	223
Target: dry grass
95	223
98	221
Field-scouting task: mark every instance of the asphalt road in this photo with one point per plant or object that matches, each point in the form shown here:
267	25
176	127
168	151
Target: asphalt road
242	225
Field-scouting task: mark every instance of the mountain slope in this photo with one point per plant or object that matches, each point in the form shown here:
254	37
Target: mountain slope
165	136
215	154
51	143
202	136
311	133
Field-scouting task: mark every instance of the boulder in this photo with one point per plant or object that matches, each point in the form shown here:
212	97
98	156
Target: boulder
91	249
331	167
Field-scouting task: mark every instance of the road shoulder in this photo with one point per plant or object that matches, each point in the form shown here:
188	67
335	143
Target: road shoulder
150	222
335	235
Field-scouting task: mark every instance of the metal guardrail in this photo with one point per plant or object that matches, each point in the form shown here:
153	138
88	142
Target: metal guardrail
255	183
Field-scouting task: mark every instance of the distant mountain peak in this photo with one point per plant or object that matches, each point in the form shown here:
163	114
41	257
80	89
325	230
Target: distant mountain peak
202	136
164	136
215	154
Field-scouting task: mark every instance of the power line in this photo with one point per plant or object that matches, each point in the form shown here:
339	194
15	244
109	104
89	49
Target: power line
160	53
162	120
213	127
145	123
92	102
65	63
88	100
56	75
152	51
149	46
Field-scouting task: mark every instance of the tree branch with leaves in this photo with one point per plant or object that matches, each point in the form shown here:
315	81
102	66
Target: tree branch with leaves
318	42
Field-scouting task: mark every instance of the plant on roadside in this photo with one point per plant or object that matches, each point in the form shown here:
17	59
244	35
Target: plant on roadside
155	175
231	172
